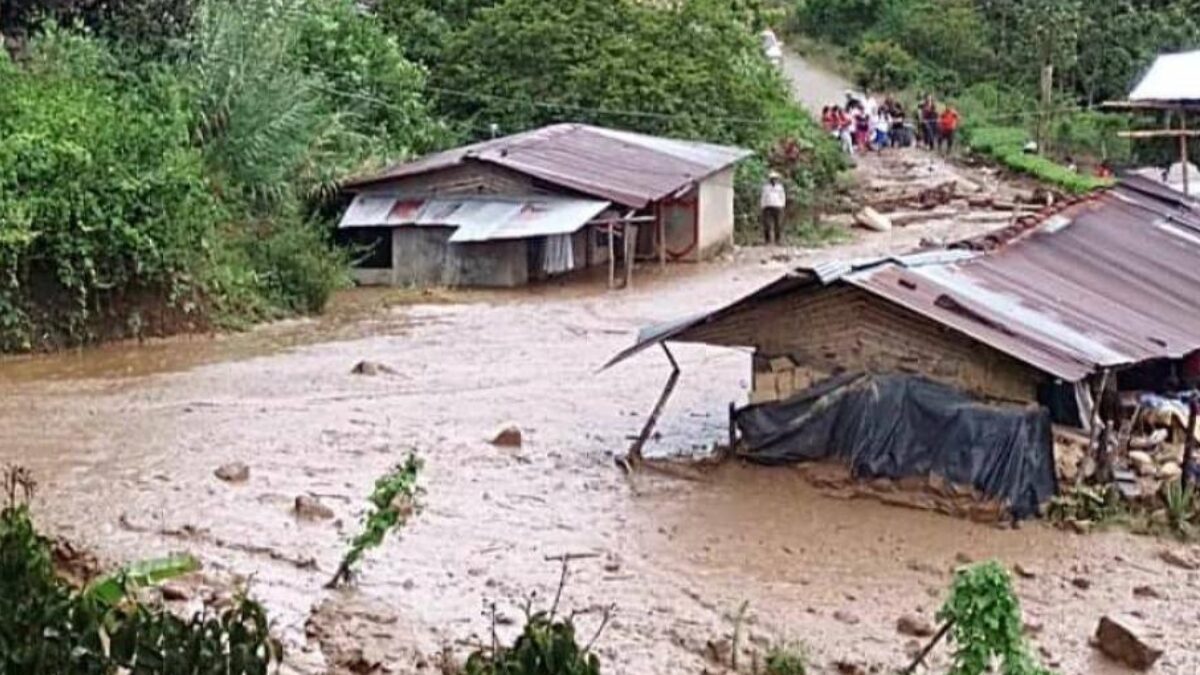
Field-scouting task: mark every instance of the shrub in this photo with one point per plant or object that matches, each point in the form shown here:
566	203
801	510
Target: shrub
885	66
789	659
986	623
48	627
546	646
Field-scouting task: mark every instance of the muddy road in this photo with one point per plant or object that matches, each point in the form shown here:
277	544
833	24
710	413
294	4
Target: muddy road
125	439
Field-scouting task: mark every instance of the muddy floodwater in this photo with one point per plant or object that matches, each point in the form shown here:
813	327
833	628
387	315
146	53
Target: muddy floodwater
124	440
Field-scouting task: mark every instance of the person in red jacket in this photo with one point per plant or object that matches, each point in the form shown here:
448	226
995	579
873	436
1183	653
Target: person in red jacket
948	126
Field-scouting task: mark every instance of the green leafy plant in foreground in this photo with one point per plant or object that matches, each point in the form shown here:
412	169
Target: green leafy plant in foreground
985	619
393	501
547	646
48	627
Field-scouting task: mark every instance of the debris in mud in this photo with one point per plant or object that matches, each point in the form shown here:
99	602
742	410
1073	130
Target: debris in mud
372	369
1120	641
234	472
1147	592
76	566
1024	572
311	508
508	436
873	220
914	626
174	592
1180	560
846	617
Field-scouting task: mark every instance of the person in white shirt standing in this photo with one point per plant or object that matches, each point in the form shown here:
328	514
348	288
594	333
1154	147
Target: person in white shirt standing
774	199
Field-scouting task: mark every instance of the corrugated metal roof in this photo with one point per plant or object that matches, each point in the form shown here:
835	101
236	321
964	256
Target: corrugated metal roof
624	167
476	219
1173	77
1107	281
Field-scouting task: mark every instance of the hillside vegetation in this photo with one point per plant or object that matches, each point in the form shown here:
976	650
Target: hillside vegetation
173	165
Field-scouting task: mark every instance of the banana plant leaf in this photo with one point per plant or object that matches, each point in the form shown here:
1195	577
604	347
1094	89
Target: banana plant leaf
111	588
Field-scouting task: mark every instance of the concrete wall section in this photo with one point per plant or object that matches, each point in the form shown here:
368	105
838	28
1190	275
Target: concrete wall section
716	214
423	256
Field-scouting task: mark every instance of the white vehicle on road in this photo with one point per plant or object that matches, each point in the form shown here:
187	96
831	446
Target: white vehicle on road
772	47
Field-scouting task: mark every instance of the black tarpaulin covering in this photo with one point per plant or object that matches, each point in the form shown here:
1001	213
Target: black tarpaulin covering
897	426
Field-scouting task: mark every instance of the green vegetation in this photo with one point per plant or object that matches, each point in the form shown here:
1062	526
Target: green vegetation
690	70
1007	146
49	627
789	659
393	501
546	646
986	626
170	165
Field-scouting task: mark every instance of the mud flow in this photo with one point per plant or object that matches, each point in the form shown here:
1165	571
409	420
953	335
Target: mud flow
125	440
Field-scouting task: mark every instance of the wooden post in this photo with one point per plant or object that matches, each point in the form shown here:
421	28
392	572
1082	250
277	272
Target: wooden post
1183	152
612	261
635	451
1189	444
662	243
630	253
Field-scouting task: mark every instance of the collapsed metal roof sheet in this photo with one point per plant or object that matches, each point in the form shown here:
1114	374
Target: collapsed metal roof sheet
1171	78
476	219
1107	281
624	167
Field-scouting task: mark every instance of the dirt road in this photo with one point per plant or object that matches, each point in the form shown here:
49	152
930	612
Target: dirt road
125	439
813	86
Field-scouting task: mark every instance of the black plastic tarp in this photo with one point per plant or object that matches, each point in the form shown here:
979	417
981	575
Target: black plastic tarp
897	426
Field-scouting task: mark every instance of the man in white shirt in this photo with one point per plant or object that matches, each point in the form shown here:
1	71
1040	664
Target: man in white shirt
774	199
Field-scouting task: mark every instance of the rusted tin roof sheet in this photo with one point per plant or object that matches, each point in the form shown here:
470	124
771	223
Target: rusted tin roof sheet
1106	281
475	218
623	167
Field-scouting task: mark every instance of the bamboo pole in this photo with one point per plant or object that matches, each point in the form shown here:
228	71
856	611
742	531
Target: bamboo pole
612	260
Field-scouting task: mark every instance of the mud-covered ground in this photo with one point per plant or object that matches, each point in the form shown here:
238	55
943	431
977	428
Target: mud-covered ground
125	439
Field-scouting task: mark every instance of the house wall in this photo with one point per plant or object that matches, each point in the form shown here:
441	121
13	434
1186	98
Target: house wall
804	337
716	214
467	179
423	256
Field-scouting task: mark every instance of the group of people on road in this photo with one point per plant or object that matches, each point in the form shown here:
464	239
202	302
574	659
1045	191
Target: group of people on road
863	124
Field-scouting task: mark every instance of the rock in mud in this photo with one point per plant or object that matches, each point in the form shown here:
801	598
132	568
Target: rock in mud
372	369
172	592
311	508
846	617
1142	462
1119	641
1170	472
234	472
1178	559
508	436
1024	572
1147	592
915	626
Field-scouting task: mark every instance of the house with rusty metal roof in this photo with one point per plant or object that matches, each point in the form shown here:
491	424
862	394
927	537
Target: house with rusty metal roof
511	210
1054	314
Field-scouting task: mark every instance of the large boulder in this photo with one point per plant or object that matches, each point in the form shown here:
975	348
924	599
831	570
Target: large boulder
1120	641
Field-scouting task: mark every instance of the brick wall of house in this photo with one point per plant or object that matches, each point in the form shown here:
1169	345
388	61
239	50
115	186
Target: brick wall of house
804	337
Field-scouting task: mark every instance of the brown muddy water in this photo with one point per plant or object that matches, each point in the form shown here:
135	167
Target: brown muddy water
125	439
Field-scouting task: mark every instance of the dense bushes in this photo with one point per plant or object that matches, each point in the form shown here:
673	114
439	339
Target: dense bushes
688	70
189	180
49	627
